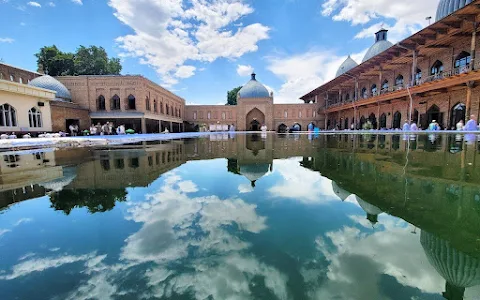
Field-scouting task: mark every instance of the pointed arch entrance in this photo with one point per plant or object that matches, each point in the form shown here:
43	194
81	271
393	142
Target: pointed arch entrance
457	114
255	119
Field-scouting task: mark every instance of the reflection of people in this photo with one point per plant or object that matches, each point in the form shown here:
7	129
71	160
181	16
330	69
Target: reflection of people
471	124
406	126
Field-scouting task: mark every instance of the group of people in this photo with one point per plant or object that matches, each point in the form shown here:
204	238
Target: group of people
106	129
434	126
470	126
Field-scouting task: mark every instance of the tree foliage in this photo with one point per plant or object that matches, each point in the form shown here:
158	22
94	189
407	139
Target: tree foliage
91	60
98	200
232	96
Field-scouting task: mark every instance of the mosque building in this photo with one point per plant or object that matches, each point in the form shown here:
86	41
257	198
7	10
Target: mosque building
435	69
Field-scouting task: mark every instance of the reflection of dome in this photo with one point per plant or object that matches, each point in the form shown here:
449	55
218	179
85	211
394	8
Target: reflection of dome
253	89
381	44
371	210
69	174
253	172
458	269
346	66
341	193
50	83
446	7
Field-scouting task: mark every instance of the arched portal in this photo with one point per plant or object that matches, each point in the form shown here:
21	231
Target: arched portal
373	120
458	114
255	119
397	120
433	113
296	127
383	121
362	122
282	128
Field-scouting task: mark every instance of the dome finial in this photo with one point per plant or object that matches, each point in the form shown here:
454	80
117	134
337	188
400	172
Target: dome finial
253	76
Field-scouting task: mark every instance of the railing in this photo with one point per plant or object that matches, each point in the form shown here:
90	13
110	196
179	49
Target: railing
431	78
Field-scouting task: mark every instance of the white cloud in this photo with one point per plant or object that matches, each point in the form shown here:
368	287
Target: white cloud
34	4
408	16
7	40
245	188
304	72
170	33
3	231
243	70
23	24
51	4
301	184
79	2
185	71
22	220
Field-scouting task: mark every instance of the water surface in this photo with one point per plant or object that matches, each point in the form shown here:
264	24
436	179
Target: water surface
244	217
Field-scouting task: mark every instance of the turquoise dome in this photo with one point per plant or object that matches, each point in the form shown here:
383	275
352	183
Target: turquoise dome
50	83
346	66
253	89
381	44
446	7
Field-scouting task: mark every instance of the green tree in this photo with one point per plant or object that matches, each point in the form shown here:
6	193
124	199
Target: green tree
98	200
91	60
232	96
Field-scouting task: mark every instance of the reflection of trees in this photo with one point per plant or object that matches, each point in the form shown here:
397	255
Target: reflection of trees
232	166
95	200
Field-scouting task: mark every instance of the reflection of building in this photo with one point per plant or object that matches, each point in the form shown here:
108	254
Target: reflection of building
254	108
436	66
458	269
371	210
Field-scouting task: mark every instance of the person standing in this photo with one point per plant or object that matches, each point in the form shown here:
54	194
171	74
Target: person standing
70	128
99	129
93	130
110	128
460	125
432	126
414	127
471	124
406	126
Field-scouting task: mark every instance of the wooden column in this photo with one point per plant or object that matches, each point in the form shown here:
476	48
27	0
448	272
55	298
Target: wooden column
468	105
473	46
144	125
414	67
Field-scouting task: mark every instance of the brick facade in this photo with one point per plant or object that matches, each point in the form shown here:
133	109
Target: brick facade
63	111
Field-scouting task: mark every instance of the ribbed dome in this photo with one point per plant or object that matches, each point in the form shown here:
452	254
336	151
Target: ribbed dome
50	83
346	66
381	44
455	267
446	7
253	89
367	207
69	174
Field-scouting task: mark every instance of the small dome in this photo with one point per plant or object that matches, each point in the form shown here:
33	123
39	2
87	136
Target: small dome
371	210
446	7
69	174
50	83
253	89
381	44
341	193
457	268
254	172
346	66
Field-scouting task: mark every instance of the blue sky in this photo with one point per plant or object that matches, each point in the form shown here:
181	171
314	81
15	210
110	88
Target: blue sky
200	49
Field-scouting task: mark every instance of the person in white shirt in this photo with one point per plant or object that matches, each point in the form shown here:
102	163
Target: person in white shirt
460	125
414	127
406	126
93	130
263	128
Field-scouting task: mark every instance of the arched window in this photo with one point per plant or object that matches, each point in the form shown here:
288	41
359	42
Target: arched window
347	97
224	115
383	121
101	103
300	114
314	114
131	102
397	120
418	76
167	109
399	81
285	114
12	78
373	89
8	116
147	103
346	124
462	62
209	115
35	117
437	68
458	114
364	93
194	115
115	103
155	106
385	86
20	80
179	113
415	116
161	107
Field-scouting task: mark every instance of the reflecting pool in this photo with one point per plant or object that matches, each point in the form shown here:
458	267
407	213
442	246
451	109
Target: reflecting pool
244	217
